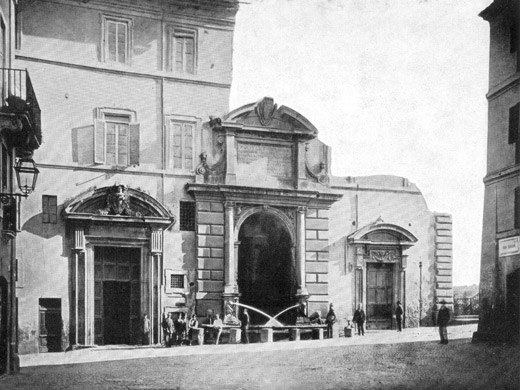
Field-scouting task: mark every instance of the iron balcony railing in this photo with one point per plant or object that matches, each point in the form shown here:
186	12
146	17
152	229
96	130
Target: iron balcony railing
467	305
18	97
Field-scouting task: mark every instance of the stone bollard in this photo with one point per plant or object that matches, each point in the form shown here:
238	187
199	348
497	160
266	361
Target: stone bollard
235	335
197	335
266	335
295	334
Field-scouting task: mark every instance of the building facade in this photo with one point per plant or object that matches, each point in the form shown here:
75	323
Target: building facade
20	135
500	263
155	198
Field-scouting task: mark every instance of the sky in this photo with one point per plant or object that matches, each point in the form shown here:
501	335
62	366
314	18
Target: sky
394	86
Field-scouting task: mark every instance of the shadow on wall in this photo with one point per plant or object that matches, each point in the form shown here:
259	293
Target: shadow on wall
35	225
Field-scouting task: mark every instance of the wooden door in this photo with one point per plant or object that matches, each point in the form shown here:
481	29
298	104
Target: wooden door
379	295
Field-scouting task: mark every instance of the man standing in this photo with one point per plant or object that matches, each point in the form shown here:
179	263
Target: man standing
443	317
359	319
244	325
146	330
399	316
168	330
330	320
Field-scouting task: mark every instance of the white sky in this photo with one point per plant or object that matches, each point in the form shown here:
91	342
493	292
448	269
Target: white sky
394	86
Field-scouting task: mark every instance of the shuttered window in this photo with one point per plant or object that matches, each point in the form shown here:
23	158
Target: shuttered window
183	51
49	209
514	129
116	40
517	208
180	145
113	140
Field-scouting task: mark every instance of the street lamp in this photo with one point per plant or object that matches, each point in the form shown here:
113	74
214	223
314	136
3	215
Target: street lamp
26	176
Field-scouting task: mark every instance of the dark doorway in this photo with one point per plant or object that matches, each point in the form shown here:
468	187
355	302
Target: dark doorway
116	312
3	325
379	295
513	305
117	295
266	270
50	325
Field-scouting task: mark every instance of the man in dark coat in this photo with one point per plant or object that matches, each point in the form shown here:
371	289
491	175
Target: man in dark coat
399	316
359	319
330	320
443	317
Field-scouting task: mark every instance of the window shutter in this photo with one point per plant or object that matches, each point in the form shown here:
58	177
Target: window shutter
134	143
99	141
514	123
83	145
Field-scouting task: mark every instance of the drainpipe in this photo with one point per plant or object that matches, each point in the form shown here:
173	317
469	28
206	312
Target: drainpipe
420	293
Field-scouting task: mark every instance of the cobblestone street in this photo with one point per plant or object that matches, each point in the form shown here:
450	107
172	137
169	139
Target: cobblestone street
409	365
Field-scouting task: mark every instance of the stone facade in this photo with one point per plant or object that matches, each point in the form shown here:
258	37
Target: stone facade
500	262
211	207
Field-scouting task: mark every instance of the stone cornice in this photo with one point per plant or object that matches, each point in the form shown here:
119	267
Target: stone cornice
504	86
157	75
502	174
269	196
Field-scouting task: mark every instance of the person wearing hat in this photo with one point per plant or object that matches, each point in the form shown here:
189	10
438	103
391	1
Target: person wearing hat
443	317
399	316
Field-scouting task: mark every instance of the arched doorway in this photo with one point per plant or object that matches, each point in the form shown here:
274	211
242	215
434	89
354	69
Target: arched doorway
266	269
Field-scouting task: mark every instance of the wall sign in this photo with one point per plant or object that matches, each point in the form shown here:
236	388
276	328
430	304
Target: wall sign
509	246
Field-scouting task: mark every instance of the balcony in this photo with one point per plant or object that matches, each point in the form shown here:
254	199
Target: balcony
20	115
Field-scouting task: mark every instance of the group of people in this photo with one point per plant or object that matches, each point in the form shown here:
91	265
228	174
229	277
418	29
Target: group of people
178	331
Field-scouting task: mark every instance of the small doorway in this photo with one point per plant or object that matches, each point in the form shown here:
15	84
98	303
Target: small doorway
50	325
513	304
379	295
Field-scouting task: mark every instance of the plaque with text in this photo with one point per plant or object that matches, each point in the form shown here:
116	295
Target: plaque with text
275	160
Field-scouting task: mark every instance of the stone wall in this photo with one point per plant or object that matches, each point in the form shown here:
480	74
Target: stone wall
316	258
210	255
443	260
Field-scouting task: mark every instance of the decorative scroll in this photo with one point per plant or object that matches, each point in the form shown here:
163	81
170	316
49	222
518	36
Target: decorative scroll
384	256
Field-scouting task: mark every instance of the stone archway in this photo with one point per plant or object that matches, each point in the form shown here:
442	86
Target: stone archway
266	265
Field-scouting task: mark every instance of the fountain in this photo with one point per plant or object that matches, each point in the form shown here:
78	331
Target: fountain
272	320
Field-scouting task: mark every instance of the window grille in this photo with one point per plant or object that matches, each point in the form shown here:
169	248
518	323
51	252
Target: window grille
176	281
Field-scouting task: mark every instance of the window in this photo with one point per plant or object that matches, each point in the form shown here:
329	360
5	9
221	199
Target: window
6	169
513	39
187	216
183	51
112	140
180	144
49	209
517	208
514	129
116	40
175	282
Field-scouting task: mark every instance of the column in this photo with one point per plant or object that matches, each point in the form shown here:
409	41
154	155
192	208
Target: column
300	252
79	286
229	249
154	283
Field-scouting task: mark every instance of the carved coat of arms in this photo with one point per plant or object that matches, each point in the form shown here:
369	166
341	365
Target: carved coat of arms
265	110
118	202
384	256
